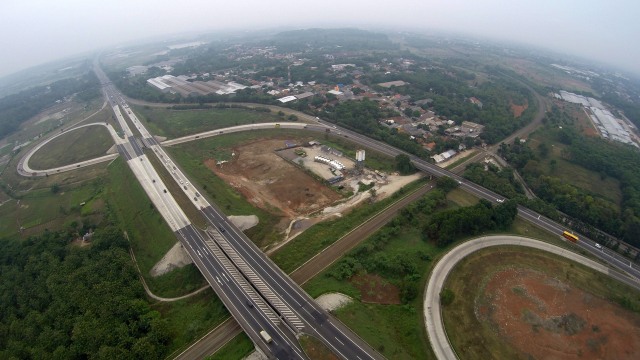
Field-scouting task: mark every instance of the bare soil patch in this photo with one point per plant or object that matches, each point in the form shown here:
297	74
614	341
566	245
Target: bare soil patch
545	318
518	109
375	289
271	182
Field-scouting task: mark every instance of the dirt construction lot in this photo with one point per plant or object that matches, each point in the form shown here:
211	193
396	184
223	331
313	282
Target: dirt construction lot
514	303
271	182
546	318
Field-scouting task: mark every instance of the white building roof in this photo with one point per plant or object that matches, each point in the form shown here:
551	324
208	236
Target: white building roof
286	99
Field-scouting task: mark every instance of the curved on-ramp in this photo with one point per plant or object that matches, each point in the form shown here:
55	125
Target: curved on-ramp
25	170
432	310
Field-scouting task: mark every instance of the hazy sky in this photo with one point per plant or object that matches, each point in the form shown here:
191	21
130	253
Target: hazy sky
37	31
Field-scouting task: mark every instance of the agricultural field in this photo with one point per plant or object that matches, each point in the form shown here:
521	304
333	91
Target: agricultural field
176	123
522	303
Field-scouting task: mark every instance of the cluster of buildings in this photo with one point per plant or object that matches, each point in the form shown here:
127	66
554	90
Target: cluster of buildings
607	124
438	158
414	118
181	85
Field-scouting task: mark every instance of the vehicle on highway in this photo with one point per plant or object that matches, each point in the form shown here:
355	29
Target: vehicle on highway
500	200
221	228
599	246
249	303
266	336
569	236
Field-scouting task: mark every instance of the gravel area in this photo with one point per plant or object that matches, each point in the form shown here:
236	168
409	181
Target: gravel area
244	222
176	257
333	301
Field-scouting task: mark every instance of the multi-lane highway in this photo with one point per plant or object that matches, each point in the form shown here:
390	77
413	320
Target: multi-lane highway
256	292
585	243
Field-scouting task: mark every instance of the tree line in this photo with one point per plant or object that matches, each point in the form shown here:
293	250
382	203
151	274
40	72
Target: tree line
62	301
18	108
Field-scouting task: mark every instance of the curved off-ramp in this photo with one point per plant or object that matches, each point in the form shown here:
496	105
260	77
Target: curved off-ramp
25	170
432	310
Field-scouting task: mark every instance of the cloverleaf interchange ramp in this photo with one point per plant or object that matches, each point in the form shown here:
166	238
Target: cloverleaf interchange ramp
432	311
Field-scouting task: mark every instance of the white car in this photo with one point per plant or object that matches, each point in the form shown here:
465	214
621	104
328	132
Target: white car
599	246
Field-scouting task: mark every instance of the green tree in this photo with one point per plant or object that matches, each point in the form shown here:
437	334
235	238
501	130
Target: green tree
446	183
447	296
404	165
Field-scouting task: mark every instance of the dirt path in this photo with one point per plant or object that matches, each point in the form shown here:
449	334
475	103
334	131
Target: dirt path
154	296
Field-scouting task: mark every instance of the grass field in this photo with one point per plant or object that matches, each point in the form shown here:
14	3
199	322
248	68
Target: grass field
394	330
315	349
41	209
176	123
112	190
194	215
64	115
150	236
191	318
477	340
237	348
591	181
73	146
397	331
321	235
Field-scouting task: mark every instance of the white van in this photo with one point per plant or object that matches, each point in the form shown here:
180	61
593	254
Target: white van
266	336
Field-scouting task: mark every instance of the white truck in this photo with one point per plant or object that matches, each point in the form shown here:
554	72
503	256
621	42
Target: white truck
266	336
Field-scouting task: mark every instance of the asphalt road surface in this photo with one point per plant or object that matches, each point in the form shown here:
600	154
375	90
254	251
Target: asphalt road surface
256	292
25	170
287	297
215	339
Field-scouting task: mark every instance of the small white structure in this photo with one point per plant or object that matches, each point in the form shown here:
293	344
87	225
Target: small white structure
333	163
286	99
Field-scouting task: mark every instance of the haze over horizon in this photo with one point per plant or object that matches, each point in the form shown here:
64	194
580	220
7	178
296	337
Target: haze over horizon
35	32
